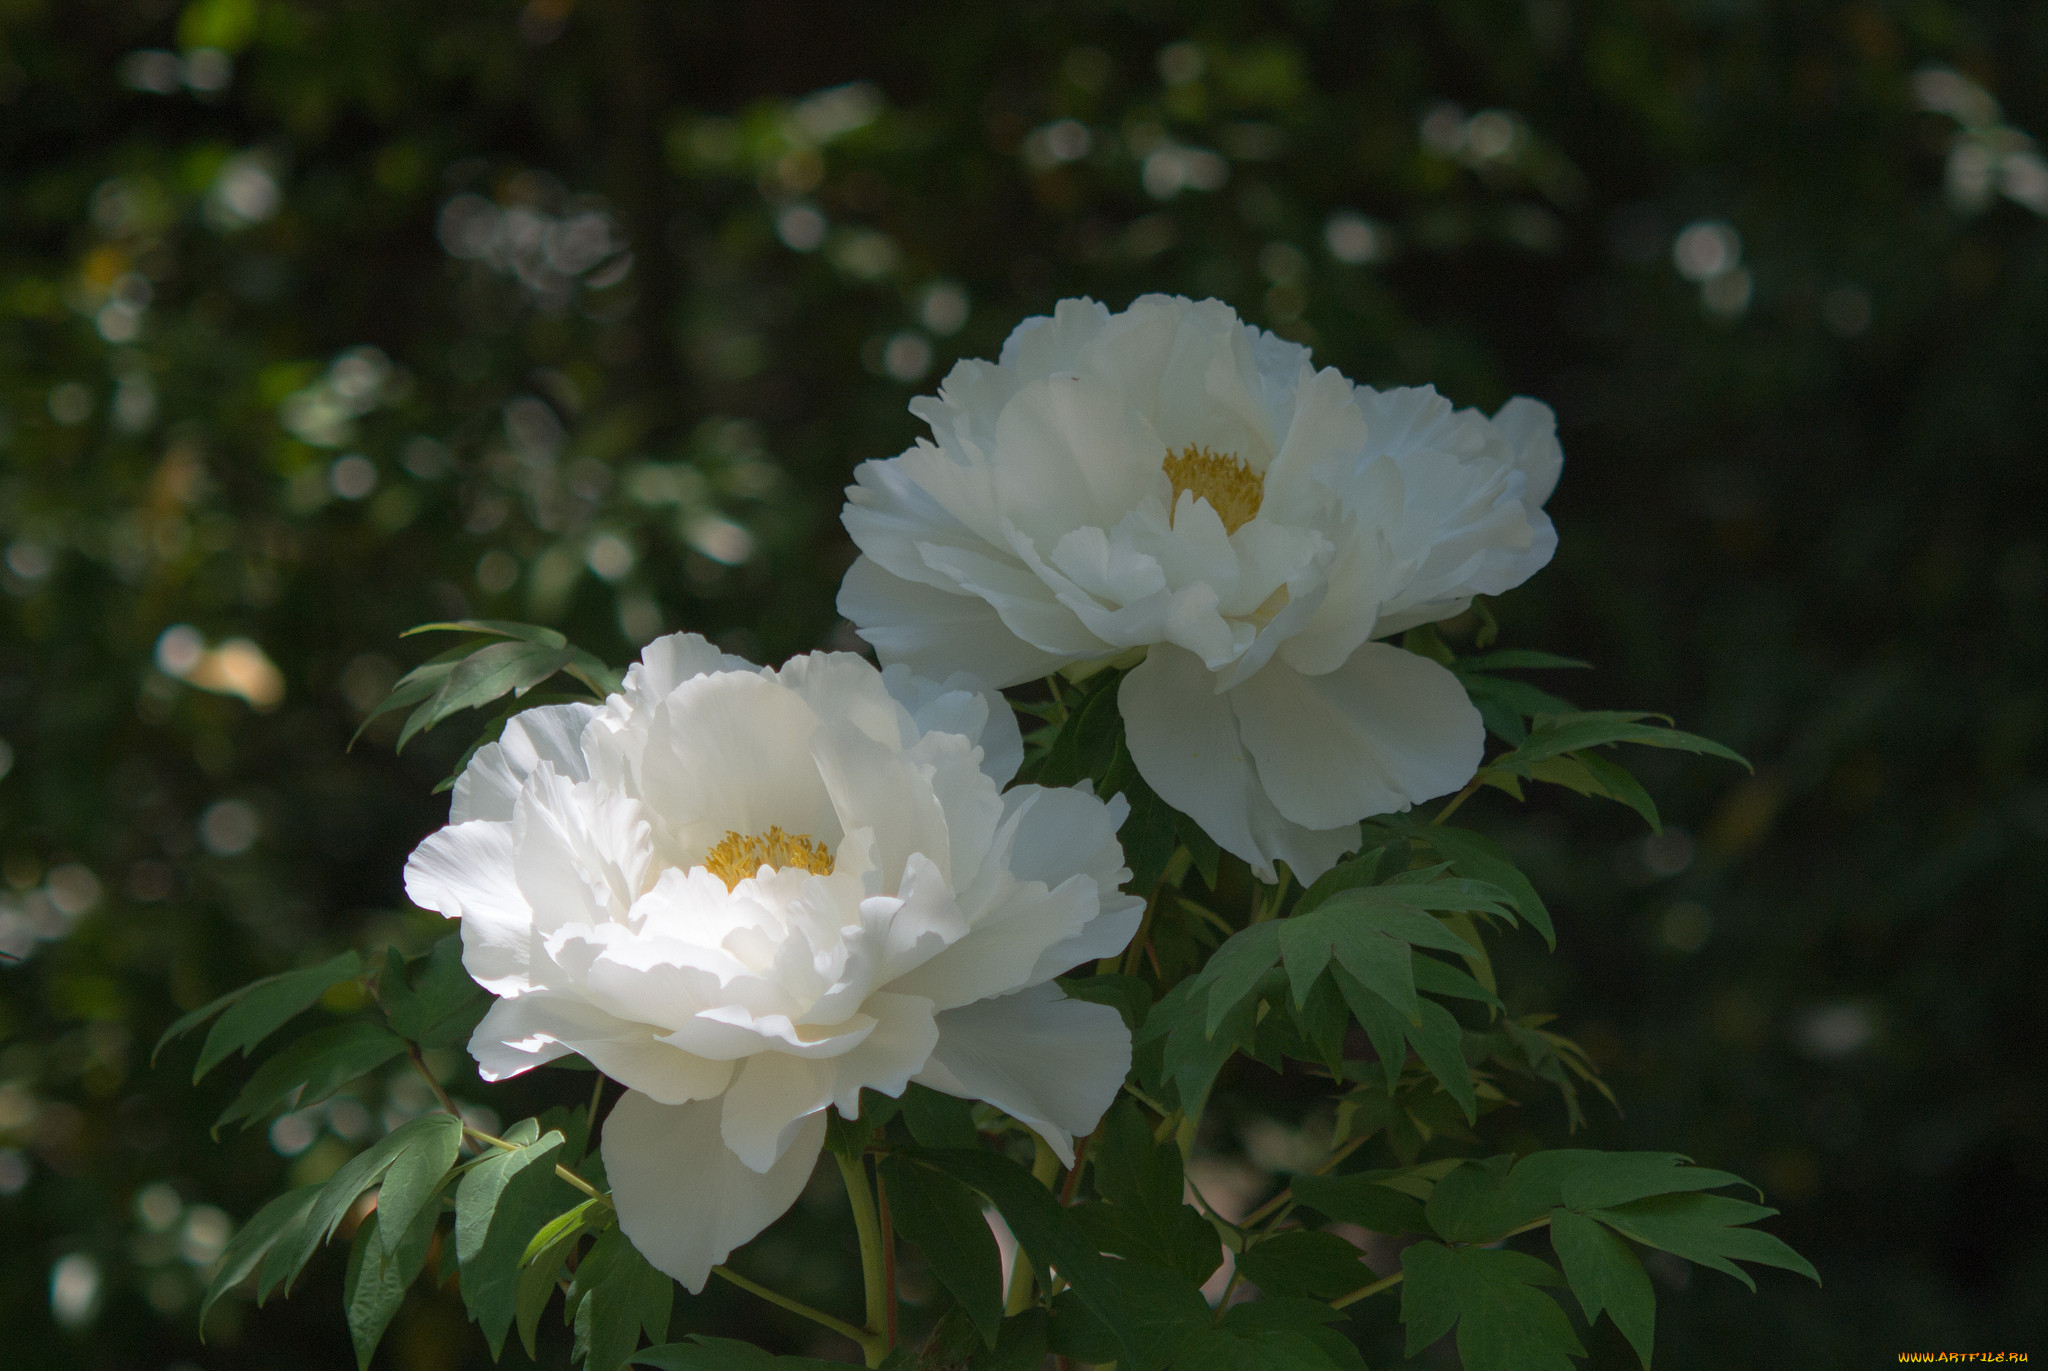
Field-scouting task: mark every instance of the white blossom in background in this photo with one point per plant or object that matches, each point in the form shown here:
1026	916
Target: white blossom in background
1171	487
747	894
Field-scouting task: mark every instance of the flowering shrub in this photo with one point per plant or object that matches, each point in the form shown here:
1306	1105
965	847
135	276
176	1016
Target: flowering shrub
803	910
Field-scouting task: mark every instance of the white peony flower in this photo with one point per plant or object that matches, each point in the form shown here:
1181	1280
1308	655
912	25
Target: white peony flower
747	893
1170	483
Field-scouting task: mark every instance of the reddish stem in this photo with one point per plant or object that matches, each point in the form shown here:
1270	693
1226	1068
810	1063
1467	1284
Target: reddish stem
1074	1176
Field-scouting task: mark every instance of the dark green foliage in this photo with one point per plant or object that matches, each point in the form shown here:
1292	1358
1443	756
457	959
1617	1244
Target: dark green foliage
943	1217
431	999
1506	1320
258	1009
311	1068
614	1297
501	1203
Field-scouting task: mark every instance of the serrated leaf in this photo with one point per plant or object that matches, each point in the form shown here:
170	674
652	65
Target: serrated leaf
1317	1265
1384	1025
313	1067
1606	1275
1361	870
1437	978
1617	1178
277	1222
617	1295
257	1010
1477	856
1706	1229
1495	1299
503	1201
944	1218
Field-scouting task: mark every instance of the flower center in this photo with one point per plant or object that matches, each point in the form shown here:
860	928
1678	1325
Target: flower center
1224	479
739	857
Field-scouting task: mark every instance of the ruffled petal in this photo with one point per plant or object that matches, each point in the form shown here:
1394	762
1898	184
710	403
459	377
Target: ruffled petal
525	1031
683	1198
1051	1063
961	704
465	872
490	783
934	631
1384	731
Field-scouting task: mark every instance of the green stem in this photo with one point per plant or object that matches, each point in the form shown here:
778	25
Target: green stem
564	1172
596	1098
1471	788
1385	1283
868	1225
868	1341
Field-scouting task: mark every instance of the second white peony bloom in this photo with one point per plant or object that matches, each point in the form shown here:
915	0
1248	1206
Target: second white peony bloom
747	894
1172	484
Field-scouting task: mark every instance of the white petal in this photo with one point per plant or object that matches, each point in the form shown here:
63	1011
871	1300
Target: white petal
935	631
683	1198
465	872
902	1042
1184	740
1531	430
550	733
961	704
770	1099
525	1031
1051	1063
1000	952
1384	731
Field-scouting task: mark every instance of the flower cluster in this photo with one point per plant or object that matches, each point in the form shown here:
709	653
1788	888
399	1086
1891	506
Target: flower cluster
748	894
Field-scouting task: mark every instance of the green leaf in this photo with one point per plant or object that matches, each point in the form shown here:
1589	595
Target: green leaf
1132	1169
257	1010
1516	659
1281	1334
541	1265
1479	857
1151	1310
311	1068
1706	1229
705	1353
1440	1042
1361	870
430	1132
1478	1202
484	675
1318	1265
493	628
1364	1199
277	1222
613	1297
1084	746
503	1201
944	1218
413	1182
1234	969
937	1119
1505	1321
380	1270
1130	996
1605	1274
1554	735
1437	978
1605	1179
432	999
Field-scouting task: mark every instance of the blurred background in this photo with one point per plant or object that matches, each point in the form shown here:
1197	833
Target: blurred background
318	320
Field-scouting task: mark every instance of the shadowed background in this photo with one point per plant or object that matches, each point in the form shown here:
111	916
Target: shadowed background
321	320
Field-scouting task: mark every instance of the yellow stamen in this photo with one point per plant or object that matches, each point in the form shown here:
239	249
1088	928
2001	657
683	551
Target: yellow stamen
740	857
1224	479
